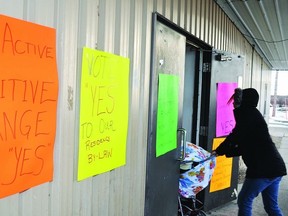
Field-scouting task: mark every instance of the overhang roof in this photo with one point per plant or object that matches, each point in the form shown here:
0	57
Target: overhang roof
264	23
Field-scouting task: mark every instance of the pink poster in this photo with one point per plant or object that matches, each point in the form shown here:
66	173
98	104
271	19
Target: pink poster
225	121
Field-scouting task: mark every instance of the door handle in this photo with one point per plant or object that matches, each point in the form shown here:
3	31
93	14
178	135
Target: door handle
182	143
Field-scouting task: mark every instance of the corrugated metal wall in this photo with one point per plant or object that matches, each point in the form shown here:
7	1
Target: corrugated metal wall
121	27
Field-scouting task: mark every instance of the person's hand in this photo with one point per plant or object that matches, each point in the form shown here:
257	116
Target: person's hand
214	153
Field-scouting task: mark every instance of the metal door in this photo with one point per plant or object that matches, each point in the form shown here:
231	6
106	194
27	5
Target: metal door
225	67
168	57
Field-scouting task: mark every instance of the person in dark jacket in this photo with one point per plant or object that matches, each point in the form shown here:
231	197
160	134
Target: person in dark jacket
250	139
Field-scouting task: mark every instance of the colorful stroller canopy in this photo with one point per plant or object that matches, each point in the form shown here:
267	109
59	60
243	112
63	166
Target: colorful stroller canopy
197	178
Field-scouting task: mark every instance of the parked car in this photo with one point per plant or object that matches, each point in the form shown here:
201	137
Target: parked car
282	109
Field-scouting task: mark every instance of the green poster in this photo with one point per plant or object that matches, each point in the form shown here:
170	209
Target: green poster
167	114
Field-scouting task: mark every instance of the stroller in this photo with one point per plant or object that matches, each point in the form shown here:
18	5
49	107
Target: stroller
196	171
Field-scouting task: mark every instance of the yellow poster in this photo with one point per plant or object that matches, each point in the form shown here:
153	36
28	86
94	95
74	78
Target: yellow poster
28	97
221	178
104	102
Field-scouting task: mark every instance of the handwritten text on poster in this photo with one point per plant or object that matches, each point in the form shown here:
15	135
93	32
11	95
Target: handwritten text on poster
28	96
221	178
225	121
103	112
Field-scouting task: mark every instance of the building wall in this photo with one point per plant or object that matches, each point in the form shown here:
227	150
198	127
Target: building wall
122	27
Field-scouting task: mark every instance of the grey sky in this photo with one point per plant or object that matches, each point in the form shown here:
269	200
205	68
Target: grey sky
282	87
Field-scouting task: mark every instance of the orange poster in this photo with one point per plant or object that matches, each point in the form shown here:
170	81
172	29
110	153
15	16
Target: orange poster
28	98
221	178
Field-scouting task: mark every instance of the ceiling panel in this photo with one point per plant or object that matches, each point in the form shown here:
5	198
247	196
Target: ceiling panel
265	24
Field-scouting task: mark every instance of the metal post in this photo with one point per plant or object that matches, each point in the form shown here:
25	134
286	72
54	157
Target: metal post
275	94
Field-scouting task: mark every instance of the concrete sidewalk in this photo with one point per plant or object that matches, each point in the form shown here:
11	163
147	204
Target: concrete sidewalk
279	133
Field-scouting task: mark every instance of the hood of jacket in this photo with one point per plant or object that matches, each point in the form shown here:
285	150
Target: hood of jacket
250	97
